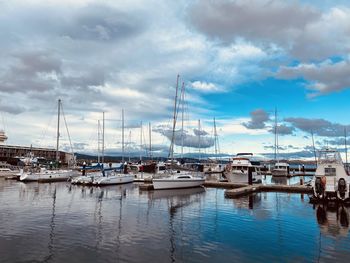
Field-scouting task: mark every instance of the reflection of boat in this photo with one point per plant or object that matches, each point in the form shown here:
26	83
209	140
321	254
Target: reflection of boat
175	192
280	170
330	180
333	221
279	180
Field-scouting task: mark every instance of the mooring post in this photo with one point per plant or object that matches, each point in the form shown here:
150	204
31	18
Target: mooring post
250	175
84	166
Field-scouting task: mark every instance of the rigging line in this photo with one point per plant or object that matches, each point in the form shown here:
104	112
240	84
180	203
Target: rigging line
65	122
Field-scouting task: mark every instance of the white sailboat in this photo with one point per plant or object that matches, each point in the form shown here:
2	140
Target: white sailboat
46	175
281	169
89	178
116	177
176	179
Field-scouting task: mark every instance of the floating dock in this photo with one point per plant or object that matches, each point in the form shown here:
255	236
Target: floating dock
233	193
235	190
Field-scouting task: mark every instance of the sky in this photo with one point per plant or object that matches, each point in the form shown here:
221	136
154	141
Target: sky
238	60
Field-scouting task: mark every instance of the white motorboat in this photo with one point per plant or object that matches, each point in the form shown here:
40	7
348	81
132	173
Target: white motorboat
178	180
237	170
280	169
45	175
330	180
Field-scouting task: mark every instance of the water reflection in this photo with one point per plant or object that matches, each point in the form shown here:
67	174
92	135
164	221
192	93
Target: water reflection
64	223
333	219
177	199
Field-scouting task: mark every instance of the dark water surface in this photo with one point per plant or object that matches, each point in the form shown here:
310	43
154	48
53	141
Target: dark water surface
63	223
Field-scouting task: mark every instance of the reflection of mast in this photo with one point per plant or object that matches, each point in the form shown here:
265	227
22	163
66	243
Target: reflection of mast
52	228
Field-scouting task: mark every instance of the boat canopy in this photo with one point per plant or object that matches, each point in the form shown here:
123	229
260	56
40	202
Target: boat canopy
329	156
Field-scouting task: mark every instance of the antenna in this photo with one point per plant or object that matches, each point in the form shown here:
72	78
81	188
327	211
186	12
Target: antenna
276	140
150	140
103	137
141	142
122	135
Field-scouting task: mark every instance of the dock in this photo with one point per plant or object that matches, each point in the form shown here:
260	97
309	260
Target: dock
238	192
235	190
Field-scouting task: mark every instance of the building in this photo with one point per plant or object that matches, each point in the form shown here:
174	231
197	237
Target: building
11	154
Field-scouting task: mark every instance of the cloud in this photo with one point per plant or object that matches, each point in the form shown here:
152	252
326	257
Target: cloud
283	130
319	127
253	20
303	31
258	120
322	78
206	87
189	140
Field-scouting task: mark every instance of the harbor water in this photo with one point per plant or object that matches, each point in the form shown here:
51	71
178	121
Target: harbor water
59	222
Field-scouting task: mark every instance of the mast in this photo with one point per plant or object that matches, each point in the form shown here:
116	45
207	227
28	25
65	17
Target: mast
122	135
171	152
182	118
346	150
313	145
141	142
150	140
103	137
199	140
58	131
129	146
276	136
98	141
215	140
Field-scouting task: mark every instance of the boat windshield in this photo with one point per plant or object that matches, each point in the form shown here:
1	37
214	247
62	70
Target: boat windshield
328	156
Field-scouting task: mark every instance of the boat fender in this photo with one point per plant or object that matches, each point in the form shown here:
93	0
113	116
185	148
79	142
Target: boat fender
341	185
319	187
323	180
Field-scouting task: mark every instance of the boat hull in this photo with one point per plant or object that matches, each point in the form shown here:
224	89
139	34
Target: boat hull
166	183
114	179
51	176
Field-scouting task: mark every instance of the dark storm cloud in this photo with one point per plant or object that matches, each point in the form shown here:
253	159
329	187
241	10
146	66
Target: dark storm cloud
258	120
319	127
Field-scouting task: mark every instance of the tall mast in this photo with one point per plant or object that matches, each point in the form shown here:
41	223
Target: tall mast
141	142
182	118
346	150
58	131
103	137
313	145
123	135
199	139
150	139
215	140
129	146
98	141
276	136
174	121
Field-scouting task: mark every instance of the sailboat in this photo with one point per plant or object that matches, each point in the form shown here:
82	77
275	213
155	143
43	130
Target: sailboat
120	176
172	178
88	178
281	169
48	175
